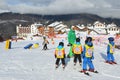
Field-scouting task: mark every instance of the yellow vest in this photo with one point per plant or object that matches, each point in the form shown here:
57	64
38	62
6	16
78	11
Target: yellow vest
89	51
77	49
112	48
59	53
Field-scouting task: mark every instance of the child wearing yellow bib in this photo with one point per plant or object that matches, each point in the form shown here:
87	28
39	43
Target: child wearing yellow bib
77	50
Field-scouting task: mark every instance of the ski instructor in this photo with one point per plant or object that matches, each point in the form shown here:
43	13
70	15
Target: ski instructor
71	40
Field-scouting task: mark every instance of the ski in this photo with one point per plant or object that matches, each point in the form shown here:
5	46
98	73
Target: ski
94	71
112	63
86	73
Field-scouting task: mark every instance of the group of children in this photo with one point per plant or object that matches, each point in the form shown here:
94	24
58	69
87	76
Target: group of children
86	53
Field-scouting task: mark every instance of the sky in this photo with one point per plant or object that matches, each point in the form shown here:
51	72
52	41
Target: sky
104	8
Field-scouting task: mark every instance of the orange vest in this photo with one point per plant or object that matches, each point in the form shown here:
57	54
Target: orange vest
77	49
59	53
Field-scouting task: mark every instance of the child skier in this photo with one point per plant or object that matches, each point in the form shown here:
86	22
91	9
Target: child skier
77	50
60	54
88	55
45	42
110	51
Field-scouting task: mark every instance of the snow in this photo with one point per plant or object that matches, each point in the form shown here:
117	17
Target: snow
36	64
55	24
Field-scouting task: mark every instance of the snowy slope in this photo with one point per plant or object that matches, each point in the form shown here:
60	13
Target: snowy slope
36	64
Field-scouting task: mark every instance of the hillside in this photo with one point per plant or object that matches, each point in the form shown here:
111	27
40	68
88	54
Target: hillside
8	21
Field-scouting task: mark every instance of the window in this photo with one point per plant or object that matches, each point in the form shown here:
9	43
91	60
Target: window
109	29
114	29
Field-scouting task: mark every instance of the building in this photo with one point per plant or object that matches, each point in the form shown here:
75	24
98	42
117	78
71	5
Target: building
35	28
39	29
99	27
112	29
23	31
59	27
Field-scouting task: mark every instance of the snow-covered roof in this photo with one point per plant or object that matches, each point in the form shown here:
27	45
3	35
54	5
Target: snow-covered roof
80	27
97	22
63	30
90	27
37	24
60	25
54	24
111	25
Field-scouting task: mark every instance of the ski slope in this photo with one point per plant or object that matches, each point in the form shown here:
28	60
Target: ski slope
36	64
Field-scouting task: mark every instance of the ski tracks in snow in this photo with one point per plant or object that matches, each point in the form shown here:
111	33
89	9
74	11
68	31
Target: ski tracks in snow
108	75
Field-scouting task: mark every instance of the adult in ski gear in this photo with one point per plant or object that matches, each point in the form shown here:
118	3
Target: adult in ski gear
88	55
60	54
71	40
71	36
110	51
77	50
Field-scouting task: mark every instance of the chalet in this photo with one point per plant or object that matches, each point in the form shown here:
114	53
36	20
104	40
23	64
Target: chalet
58	27
112	29
99	27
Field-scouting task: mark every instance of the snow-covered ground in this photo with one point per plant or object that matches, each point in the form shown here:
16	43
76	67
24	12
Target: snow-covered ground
36	64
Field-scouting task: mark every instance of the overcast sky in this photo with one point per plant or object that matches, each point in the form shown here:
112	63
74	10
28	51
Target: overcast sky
104	8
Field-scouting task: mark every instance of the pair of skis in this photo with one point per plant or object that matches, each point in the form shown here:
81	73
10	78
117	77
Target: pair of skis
87	73
112	63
